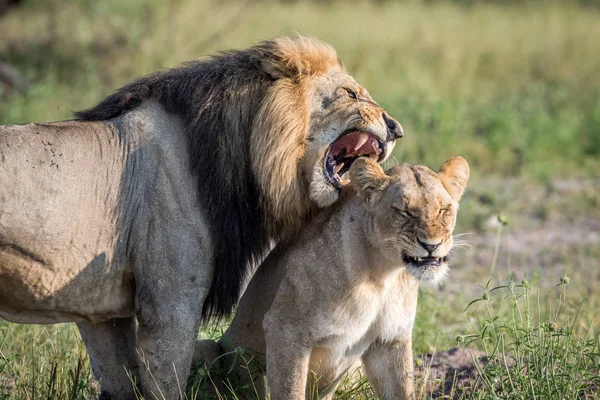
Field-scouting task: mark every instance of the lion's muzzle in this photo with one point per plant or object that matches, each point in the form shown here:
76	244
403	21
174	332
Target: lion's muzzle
394	129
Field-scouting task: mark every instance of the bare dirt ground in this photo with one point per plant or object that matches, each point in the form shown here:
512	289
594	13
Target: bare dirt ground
447	374
552	229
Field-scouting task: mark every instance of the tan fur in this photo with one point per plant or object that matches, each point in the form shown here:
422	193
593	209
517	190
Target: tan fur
342	292
299	57
280	132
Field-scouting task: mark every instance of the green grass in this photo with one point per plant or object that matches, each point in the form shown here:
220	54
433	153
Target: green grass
536	350
43	362
514	89
512	86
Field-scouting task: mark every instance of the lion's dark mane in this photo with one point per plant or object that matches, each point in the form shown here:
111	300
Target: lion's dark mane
220	153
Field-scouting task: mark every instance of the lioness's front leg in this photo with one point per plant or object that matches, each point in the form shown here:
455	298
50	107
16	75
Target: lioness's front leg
389	366
287	368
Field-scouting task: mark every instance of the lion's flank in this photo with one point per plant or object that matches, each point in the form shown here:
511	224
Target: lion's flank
247	115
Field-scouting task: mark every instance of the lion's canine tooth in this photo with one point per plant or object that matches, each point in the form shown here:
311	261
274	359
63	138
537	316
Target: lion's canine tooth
345	181
419	259
338	168
362	139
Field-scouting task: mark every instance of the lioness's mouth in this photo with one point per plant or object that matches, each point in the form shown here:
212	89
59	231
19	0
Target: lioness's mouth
420	262
348	147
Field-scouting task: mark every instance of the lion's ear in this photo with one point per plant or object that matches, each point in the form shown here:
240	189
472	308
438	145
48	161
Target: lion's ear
368	178
454	175
274	68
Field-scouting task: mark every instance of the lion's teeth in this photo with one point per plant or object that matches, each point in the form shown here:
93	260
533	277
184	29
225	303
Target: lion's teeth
338	168
345	181
362	139
419	259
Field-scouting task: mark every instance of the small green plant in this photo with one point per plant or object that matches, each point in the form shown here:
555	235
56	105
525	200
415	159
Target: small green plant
230	375
532	353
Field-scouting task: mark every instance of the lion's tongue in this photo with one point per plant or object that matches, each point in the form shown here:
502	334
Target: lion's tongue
355	144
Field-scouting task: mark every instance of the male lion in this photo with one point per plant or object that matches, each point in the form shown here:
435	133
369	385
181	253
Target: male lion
346	288
155	202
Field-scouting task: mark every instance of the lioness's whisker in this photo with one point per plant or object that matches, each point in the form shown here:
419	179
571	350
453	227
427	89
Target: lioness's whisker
462	243
461	234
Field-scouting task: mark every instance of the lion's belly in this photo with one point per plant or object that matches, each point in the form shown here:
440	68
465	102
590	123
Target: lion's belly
61	257
35	292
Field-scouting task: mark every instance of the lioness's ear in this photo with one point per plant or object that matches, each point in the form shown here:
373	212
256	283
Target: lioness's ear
368	178
454	175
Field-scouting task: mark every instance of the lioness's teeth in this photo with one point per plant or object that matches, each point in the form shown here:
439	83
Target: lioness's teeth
419	259
338	168
345	181
362	139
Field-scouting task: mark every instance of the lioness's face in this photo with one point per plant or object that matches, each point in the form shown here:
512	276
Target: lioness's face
345	123
414	212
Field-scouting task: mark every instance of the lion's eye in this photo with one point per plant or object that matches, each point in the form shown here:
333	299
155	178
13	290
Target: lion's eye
351	93
444	210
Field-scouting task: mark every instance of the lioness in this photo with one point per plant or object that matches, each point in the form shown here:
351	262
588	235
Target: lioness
347	287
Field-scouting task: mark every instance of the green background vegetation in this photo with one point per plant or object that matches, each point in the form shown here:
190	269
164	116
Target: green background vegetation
513	86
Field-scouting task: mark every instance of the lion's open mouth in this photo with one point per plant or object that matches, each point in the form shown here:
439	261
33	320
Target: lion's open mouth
349	146
420	262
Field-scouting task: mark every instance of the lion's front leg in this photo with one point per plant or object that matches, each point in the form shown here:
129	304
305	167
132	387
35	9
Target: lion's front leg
171	286
168	323
166	337
111	348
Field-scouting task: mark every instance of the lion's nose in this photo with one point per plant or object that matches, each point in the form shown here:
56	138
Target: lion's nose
394	129
427	245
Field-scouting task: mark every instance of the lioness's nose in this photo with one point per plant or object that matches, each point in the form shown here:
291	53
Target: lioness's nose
394	129
430	247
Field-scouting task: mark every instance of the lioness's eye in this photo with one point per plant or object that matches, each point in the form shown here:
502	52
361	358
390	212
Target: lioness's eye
351	93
